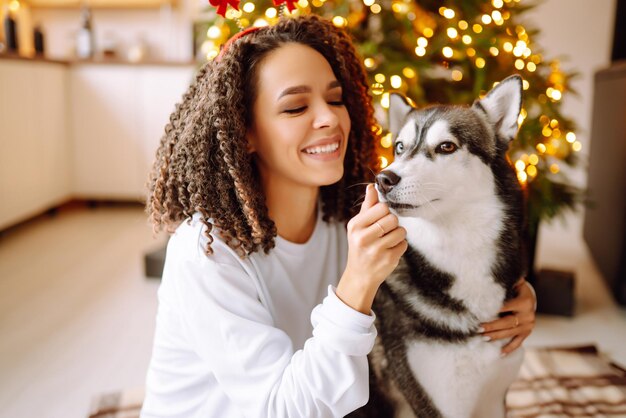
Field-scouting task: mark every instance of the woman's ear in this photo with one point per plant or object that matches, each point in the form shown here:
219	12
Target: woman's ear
251	139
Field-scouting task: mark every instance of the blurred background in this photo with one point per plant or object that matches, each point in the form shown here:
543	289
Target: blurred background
86	88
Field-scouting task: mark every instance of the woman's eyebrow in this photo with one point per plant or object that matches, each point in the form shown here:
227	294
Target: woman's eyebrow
306	89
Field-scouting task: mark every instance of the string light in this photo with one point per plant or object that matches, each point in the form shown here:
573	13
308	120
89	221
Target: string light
467	39
486	19
541	148
554	168
531	170
271	13
369	62
368	3
383	162
452	33
507	46
577	146
385	141
408	72
375	8
428	32
480	62
420	51
380	78
519	64
457	75
248	7
497	3
384	101
570	137
378	89
447	52
494	51
477	28
340	21
470	52
463	25
395	81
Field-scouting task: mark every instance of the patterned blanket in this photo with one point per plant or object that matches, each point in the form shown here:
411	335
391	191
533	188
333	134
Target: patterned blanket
553	383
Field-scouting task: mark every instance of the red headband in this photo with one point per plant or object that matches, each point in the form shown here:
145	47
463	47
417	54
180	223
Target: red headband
234	38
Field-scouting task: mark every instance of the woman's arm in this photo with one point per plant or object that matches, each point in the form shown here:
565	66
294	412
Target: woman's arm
521	321
234	337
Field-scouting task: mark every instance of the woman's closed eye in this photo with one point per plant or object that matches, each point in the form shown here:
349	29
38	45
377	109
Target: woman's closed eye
301	109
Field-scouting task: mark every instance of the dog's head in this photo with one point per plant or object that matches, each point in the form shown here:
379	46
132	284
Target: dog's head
444	155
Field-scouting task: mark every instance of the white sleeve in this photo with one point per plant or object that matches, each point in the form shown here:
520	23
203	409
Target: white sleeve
254	362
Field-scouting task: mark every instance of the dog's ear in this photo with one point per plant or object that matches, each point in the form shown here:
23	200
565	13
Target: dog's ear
502	106
399	108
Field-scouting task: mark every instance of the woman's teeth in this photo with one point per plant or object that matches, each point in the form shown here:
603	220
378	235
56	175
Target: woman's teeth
325	149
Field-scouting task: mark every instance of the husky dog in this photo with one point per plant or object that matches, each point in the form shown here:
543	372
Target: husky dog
458	197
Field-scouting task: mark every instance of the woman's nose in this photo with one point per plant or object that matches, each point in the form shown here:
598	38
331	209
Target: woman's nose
325	116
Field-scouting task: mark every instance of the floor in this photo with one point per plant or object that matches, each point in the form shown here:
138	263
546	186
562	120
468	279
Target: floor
77	313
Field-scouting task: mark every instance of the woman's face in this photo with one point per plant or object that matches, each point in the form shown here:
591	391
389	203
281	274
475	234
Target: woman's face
300	125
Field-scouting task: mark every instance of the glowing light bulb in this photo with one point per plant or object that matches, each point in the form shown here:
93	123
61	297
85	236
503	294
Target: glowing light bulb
271	13
570	137
384	101
486	19
369	62
408	72
380	78
396	81
467	39
385	142
477	28
378	89
494	51
452	33
423	42
428	32
383	162
248	7
420	51
447	52
463	24
457	75
480	62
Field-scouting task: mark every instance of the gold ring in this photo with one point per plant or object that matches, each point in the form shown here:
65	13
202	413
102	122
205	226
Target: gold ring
516	320
381	228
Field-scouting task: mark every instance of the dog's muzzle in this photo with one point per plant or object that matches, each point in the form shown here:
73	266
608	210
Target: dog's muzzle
387	180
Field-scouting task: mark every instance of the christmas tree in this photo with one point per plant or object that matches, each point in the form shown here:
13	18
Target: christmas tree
447	52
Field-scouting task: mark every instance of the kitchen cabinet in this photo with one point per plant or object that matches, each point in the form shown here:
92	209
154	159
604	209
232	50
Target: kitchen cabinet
118	116
80	130
35	148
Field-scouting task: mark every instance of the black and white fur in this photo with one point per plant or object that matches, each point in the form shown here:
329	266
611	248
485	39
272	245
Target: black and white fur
461	205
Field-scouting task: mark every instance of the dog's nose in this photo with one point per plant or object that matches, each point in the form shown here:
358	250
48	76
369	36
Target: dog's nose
386	180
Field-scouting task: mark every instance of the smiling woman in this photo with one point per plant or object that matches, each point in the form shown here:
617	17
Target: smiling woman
260	159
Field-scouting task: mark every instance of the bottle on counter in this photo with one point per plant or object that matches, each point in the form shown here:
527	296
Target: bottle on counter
38	38
85	43
10	32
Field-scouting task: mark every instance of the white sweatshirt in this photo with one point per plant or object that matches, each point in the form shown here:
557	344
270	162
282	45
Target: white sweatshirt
233	337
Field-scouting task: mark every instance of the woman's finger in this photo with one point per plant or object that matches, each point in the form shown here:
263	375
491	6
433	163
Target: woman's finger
524	302
507	333
383	226
371	198
508	321
393	238
513	344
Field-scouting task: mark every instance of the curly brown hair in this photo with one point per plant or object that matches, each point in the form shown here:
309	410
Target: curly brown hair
203	164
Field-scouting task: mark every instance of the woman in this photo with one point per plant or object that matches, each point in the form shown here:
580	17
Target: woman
259	160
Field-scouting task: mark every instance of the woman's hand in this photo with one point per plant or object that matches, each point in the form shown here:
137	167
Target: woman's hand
375	245
521	321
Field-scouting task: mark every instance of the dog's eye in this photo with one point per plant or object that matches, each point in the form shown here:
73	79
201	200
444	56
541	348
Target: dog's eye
447	148
399	147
